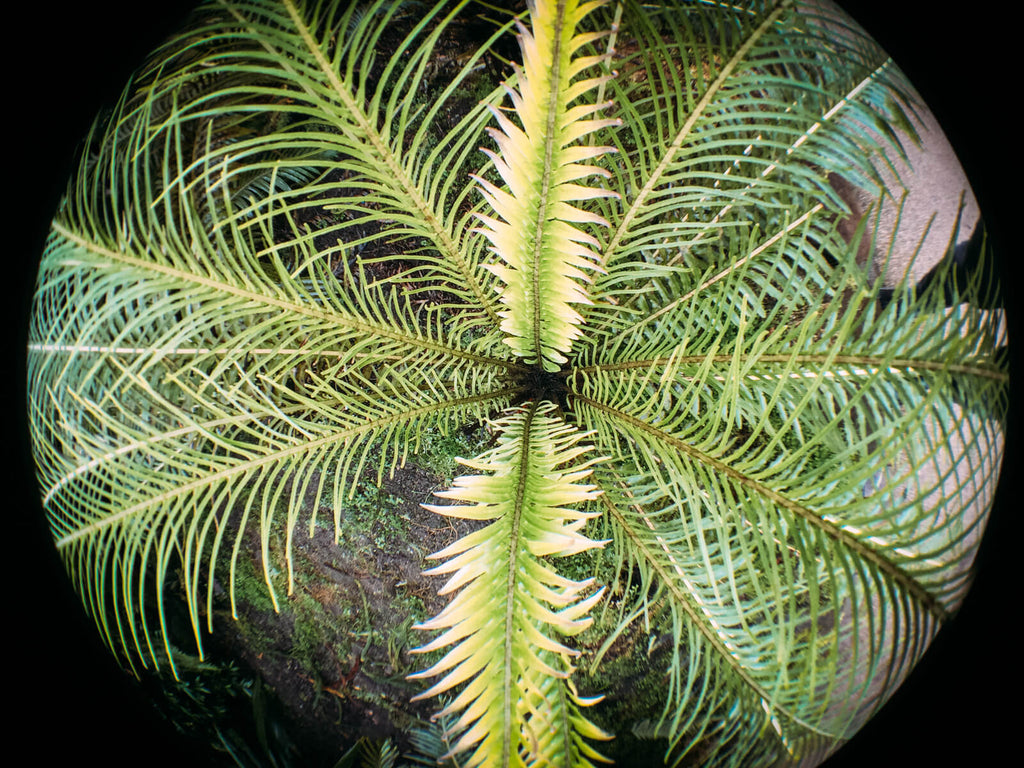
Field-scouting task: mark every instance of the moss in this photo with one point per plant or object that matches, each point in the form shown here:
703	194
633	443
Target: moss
439	453
631	675
250	587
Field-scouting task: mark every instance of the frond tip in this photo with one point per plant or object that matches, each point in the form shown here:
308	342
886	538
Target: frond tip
528	495
544	256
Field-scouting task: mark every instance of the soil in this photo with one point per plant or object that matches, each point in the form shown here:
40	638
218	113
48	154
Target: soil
337	652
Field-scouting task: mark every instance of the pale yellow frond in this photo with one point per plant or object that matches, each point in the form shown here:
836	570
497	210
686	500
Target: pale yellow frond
543	257
532	492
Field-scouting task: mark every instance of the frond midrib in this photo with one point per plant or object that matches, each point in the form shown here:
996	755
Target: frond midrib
273	458
697	618
353	323
192	427
870	365
832	531
731	269
442	237
539	304
510	584
622	228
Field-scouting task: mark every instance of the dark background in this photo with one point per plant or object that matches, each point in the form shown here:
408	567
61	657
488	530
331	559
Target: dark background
72	703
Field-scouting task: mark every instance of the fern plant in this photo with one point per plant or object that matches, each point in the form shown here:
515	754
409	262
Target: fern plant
285	260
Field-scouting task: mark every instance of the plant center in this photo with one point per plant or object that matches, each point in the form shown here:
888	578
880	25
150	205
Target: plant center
538	385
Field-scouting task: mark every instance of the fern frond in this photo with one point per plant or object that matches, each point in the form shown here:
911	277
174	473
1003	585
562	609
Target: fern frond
544	256
432	741
517	706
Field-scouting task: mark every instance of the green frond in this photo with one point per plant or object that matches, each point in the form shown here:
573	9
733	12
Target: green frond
370	754
234	101
544	256
809	512
511	601
431	742
737	137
